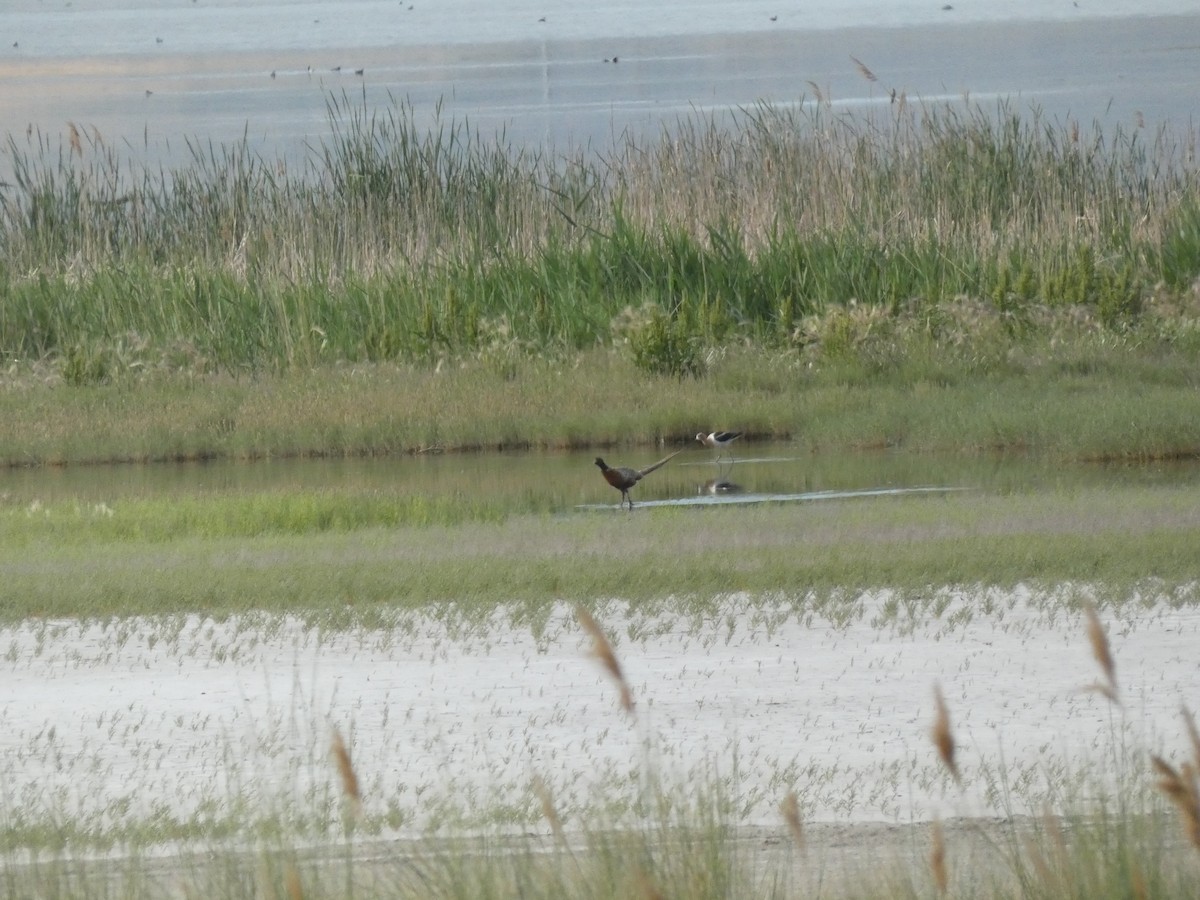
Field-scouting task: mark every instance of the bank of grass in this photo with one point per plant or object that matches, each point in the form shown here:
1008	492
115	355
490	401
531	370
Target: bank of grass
932	277
1088	397
308	555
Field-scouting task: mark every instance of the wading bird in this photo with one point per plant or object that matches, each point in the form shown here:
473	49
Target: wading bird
623	478
719	440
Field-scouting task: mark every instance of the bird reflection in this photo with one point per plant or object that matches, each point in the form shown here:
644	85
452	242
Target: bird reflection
719	486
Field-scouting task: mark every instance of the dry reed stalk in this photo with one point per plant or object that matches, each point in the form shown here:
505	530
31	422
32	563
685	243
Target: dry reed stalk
263	879
76	143
603	651
790	810
345	767
1048	863
1193	735
291	881
1137	884
1103	654
863	70
1041	865
547	800
937	857
943	739
647	889
1182	787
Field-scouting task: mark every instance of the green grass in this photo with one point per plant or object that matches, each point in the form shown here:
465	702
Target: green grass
339	562
1082	398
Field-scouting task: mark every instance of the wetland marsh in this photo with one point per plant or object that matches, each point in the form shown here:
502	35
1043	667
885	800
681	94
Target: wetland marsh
182	641
291	456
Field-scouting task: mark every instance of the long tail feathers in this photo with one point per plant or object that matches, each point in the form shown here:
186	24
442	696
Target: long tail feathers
662	462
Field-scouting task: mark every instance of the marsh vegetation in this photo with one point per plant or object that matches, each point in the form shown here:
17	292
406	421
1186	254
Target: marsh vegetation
929	281
792	249
930	278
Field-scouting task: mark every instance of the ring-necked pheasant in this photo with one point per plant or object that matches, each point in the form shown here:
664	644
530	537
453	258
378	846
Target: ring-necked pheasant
623	478
719	440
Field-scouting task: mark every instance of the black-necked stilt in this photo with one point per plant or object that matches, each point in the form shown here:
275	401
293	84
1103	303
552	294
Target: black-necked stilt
623	478
719	440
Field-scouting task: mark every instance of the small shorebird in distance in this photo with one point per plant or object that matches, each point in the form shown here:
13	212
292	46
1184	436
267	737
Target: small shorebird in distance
623	478
719	441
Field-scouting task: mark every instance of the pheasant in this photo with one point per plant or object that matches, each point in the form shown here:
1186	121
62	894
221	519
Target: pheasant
623	478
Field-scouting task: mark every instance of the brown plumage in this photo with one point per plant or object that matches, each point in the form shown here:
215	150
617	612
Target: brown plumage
623	478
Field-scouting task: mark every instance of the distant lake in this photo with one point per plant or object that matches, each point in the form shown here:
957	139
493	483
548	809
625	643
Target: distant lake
146	77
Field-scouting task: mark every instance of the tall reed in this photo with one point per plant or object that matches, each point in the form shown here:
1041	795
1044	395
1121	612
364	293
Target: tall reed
394	240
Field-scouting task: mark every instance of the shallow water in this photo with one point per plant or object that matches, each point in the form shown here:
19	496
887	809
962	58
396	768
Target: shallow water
113	722
559	481
77	28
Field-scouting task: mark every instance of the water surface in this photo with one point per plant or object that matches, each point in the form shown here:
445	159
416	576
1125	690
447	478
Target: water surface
562	481
145	78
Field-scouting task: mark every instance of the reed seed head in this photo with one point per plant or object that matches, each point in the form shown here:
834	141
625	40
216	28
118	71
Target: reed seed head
551	814
790	810
603	651
647	889
1182	787
937	858
942	736
1193	735
345	767
863	70
1098	638
291	881
1039	862
1137	883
